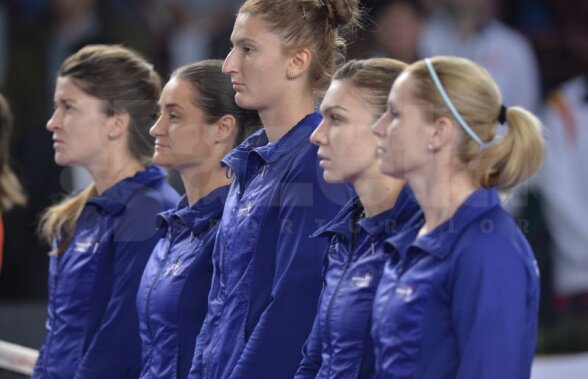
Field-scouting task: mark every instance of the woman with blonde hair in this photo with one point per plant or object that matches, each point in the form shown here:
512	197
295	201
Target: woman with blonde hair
11	192
459	296
101	238
340	342
267	272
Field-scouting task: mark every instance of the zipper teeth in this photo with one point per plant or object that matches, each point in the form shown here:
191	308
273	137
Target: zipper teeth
157	277
332	301
55	280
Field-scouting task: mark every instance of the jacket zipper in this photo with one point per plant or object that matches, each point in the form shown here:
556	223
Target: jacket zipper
157	277
332	301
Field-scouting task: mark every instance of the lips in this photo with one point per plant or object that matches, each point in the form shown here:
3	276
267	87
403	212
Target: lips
159	145
237	85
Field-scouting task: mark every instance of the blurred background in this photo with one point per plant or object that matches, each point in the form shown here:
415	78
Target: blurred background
537	50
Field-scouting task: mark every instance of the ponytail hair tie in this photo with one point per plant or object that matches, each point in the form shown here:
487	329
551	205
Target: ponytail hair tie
502	115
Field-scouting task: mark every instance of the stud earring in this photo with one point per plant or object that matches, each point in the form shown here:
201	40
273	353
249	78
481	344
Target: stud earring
289	75
111	135
430	147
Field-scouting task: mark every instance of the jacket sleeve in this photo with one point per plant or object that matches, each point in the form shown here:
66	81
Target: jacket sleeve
311	354
115	349
493	312
274	346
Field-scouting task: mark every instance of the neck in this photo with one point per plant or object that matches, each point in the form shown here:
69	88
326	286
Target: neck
377	192
105	176
281	118
440	195
199	182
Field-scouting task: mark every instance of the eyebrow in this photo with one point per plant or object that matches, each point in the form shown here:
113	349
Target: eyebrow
333	107
170	105
241	41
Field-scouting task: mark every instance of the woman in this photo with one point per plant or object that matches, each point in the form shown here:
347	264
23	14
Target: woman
461	300
267	271
11	192
102	236
340	344
199	124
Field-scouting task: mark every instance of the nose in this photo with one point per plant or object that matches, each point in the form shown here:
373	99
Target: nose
378	127
229	65
55	121
319	136
158	128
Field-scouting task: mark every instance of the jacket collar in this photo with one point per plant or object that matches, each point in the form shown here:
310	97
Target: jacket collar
439	241
198	218
384	223
113	200
258	144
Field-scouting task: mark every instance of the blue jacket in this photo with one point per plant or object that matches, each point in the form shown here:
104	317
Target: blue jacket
340	345
460	302
173	295
267	271
92	326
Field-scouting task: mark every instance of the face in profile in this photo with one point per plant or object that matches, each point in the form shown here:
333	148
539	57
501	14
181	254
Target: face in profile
183	138
256	64
347	148
79	125
401	131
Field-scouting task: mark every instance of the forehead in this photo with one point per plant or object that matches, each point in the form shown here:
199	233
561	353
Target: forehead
254	28
342	93
70	88
402	89
178	89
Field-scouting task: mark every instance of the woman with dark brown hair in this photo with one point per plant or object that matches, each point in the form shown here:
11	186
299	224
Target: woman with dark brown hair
101	238
199	124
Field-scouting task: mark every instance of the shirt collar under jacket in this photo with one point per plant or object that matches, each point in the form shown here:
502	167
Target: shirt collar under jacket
199	217
386	222
439	241
258	144
113	200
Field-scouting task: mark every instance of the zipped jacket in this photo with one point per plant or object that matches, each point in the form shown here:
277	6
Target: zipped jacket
92	325
460	302
340	345
267	271
173	295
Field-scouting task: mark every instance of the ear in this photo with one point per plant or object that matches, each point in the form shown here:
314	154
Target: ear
441	134
299	63
119	124
225	129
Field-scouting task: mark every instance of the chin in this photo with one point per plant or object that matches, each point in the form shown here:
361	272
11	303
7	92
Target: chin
160	161
62	161
332	178
245	103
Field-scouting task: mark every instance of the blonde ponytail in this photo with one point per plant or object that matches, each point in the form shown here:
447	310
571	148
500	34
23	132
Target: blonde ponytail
516	157
502	163
59	221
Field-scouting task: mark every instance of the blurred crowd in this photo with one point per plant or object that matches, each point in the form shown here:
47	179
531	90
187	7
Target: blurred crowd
537	50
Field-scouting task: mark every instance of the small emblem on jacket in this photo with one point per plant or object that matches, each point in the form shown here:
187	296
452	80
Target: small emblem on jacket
404	293
362	281
246	210
84	246
174	269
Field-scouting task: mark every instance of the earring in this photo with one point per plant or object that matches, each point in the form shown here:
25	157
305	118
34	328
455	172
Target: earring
289	75
111	135
430	147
